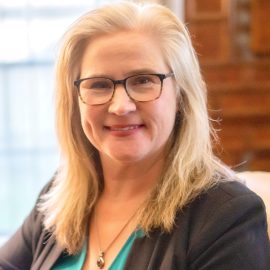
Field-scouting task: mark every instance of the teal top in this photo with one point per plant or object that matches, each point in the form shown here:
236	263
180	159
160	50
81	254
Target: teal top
76	262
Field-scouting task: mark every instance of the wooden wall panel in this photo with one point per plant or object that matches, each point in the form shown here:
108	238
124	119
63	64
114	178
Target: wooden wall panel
255	72
244	145
241	103
207	21
207	9
217	39
238	81
260	26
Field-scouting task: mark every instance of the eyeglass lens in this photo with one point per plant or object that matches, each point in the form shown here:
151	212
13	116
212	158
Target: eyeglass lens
95	91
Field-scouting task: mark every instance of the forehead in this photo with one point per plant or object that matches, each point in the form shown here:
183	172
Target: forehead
122	51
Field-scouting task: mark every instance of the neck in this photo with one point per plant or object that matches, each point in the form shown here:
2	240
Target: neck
126	182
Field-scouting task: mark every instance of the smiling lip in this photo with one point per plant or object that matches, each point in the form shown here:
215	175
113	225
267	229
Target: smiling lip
123	130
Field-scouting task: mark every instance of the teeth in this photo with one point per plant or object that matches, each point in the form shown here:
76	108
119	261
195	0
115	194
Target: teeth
124	128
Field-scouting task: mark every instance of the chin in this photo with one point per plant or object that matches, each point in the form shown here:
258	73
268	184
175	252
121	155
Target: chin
127	159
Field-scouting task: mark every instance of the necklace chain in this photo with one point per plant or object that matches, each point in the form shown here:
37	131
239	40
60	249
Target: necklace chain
101	255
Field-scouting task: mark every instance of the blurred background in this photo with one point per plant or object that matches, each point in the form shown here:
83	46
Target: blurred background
232	39
30	31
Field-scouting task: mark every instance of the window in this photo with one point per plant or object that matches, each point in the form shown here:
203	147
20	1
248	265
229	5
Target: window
29	32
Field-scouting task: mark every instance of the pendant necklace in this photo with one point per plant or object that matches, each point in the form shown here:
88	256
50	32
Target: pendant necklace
102	252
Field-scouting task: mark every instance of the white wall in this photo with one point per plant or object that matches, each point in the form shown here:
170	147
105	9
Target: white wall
177	6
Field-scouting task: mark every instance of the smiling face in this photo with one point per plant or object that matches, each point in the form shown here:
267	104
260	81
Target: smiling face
123	130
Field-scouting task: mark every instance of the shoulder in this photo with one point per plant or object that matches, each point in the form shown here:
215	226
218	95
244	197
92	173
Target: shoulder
225	220
223	205
223	228
226	194
20	251
228	190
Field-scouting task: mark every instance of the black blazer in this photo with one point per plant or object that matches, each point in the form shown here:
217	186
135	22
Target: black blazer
223	229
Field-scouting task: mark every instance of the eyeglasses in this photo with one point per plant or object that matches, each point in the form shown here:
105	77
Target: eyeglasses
141	87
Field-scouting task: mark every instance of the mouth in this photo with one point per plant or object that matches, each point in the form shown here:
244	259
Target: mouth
123	130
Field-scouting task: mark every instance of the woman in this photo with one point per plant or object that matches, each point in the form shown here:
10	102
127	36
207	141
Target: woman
139	186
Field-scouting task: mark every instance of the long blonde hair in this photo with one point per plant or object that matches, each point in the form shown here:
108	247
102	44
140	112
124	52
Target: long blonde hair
191	166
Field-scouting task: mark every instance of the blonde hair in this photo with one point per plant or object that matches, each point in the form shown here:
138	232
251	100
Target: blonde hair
191	166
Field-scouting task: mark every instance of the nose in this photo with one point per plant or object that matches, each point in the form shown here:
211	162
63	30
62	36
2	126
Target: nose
121	104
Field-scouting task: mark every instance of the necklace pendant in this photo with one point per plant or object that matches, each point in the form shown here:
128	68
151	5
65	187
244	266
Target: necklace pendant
100	260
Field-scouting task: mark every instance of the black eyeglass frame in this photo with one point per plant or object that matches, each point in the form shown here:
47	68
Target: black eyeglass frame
161	76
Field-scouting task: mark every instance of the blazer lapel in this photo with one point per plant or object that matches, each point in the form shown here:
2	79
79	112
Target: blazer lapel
48	257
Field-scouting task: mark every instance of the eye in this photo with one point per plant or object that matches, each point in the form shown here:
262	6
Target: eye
142	80
97	84
100	85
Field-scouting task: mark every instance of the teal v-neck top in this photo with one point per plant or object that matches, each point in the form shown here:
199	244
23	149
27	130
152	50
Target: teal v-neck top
76	262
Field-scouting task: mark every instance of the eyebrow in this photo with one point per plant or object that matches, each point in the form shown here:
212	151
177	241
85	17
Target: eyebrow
127	74
140	71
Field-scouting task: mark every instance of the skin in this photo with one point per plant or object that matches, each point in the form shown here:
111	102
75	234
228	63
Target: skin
131	137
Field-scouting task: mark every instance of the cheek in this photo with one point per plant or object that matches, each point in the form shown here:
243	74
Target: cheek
87	122
84	116
168	106
168	122
167	116
164	119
